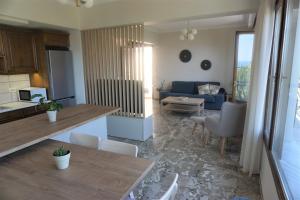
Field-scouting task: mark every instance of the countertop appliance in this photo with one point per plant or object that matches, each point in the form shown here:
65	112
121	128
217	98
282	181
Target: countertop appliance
25	94
61	77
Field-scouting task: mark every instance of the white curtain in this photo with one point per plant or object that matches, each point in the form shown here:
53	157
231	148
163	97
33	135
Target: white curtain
254	124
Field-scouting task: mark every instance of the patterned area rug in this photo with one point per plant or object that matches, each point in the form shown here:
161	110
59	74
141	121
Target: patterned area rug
203	173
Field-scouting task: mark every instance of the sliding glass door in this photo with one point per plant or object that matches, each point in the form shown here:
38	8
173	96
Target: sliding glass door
243	61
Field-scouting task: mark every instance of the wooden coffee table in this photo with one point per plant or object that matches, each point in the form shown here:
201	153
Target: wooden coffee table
182	104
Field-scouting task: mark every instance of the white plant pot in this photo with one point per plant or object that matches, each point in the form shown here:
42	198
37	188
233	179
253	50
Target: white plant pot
62	162
52	115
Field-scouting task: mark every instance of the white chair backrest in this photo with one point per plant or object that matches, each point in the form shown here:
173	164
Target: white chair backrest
171	192
119	147
91	141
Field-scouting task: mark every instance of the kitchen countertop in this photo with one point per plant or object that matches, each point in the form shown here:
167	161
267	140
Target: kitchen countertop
15	106
23	133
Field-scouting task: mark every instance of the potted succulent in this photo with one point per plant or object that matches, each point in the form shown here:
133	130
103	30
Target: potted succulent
62	157
51	106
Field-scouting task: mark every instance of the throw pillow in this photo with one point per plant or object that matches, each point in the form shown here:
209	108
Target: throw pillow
214	89
203	89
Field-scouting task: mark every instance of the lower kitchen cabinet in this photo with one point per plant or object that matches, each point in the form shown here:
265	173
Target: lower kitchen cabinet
20	114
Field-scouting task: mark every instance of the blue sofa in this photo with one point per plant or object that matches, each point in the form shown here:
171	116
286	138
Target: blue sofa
190	89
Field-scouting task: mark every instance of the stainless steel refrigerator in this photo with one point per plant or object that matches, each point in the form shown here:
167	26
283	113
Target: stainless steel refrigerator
61	77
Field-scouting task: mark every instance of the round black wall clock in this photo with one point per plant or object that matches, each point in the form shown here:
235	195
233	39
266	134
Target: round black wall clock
185	55
205	64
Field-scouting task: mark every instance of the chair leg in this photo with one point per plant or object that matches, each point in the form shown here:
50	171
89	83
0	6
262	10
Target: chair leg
206	137
223	143
195	126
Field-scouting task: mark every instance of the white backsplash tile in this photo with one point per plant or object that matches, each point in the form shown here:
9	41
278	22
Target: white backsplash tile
9	86
3	78
19	77
14	96
5	98
4	87
19	84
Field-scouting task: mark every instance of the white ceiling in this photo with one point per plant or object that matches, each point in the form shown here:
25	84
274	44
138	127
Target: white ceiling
242	20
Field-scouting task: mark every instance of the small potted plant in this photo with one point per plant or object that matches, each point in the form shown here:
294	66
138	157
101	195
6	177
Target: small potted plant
51	106
62	157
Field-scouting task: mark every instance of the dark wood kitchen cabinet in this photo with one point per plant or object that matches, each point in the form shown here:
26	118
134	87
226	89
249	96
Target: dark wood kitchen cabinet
56	39
20	114
3	41
22	57
17	51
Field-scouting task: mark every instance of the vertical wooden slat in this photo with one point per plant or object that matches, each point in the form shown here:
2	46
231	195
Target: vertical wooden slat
118	36
143	71
109	67
98	61
94	67
103	74
105	65
140	71
113	43
89	67
85	61
123	70
127	72
131	66
135	57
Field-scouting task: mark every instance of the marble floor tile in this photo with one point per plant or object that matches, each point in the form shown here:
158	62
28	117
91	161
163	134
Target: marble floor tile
203	173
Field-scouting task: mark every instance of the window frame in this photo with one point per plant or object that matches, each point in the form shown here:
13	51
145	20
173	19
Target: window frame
268	137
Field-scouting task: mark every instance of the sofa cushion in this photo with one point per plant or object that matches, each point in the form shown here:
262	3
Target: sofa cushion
174	94
214	89
203	89
183	87
208	98
199	83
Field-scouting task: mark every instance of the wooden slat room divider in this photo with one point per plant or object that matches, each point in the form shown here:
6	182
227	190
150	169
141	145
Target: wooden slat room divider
114	73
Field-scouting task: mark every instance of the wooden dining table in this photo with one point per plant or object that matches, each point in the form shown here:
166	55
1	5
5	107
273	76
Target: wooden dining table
28	171
92	175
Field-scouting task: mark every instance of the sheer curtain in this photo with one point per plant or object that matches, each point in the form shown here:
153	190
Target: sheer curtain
254	124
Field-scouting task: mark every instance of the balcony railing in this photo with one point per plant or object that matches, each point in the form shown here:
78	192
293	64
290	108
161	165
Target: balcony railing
241	90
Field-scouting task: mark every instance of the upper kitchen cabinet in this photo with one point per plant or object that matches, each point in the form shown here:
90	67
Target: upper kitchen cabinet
18	51
2	54
22	52
56	39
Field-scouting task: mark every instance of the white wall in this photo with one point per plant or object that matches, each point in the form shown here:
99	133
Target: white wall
268	187
217	45
139	11
76	48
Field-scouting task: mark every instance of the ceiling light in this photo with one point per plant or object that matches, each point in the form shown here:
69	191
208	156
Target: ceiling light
188	33
78	3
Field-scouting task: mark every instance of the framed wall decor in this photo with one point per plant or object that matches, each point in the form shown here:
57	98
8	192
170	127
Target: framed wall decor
185	56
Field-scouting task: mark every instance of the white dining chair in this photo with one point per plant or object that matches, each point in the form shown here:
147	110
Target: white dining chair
171	192
91	141
119	147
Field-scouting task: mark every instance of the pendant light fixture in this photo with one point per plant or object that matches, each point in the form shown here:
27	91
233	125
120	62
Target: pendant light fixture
78	3
188	33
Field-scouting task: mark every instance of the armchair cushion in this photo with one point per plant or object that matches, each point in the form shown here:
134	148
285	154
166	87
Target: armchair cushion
208	98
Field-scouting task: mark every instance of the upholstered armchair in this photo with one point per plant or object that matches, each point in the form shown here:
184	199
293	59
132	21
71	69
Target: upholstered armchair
229	123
